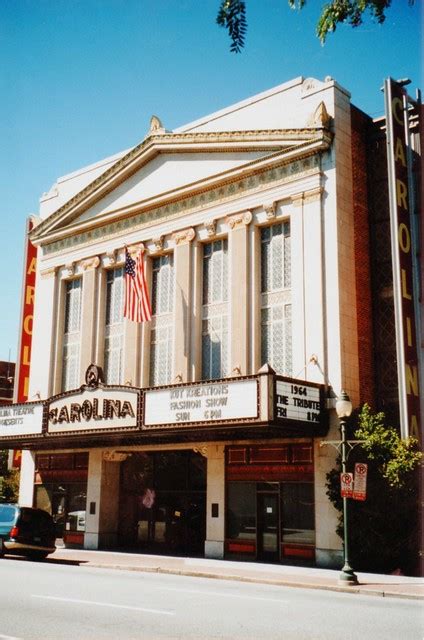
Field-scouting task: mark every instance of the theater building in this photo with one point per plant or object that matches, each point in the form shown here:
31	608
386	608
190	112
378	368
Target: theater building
201	431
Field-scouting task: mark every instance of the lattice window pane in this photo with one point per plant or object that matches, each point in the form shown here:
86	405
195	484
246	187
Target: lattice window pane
215	310
114	327
71	338
161	337
163	284
275	257
215	272
276	338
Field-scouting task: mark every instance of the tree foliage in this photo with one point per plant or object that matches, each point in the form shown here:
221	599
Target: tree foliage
383	530
9	480
232	16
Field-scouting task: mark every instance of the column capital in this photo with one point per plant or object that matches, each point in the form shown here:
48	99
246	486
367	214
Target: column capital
305	197
239	219
89	264
110	258
183	237
48	273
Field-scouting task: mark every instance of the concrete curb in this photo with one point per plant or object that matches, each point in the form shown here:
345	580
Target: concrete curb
357	589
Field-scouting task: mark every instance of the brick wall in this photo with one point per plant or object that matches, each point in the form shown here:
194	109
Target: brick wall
360	124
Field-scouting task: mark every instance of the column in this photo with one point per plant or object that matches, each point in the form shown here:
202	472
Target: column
239	291
183	261
26	482
328	545
215	502
88	313
101	524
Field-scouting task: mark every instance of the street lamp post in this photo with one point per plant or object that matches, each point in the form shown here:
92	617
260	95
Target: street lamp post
343	410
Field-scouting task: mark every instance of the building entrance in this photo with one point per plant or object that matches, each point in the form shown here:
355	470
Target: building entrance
268	527
163	502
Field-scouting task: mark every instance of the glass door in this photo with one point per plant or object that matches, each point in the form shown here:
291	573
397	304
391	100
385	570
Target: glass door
268	527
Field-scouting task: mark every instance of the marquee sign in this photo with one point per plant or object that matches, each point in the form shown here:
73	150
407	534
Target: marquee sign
93	409
298	401
404	292
215	402
21	419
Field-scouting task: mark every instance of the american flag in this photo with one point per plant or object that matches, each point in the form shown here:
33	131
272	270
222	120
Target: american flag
136	304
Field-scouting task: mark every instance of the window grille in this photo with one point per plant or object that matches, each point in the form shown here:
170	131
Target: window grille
114	327
215	310
276	324
71	337
162	333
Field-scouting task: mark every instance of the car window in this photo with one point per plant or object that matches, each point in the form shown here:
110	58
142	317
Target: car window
37	520
8	514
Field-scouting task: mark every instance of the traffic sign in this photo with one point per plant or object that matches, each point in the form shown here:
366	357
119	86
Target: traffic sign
360	483
346	485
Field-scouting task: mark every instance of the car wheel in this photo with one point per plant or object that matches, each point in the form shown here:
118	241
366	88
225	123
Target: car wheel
37	556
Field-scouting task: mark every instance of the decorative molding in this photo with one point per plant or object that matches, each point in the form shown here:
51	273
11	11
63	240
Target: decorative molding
202	449
239	219
184	236
133	249
115	456
110	258
156	125
90	263
270	210
178	378
320	117
307	196
69	269
48	273
210	226
283	173
158	242
236	371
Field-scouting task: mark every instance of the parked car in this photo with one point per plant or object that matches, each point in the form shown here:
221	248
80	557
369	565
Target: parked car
25	531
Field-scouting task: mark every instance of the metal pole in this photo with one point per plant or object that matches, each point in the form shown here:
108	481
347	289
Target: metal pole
347	575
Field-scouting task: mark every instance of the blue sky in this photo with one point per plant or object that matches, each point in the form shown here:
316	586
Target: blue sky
80	80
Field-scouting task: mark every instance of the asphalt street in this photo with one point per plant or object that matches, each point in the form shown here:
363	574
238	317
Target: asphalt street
59	601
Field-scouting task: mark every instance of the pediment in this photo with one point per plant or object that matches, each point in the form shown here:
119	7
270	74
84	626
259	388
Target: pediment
166	166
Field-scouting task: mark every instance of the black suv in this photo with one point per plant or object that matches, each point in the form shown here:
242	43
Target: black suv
26	532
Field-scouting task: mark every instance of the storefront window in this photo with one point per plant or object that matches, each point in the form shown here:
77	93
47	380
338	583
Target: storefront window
63	501
241	510
297	512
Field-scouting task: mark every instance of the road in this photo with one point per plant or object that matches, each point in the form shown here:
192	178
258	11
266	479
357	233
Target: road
58	601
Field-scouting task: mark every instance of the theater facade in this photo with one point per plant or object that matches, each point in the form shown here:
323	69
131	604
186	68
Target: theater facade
201	432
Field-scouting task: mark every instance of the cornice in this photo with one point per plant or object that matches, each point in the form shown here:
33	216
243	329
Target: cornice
155	143
282	171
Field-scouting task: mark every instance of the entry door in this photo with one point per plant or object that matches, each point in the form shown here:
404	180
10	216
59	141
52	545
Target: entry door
268	527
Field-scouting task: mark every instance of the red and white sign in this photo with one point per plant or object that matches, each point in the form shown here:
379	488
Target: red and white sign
346	485
360	483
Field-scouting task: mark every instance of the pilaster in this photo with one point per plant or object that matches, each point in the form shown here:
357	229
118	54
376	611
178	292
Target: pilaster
239	290
183	260
26	481
88	312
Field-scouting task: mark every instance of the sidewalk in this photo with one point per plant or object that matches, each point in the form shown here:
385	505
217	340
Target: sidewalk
284	575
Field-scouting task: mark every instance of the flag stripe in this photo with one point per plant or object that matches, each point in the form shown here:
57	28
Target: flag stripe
136	303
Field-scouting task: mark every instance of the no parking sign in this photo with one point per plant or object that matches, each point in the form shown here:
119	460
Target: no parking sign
360	484
346	485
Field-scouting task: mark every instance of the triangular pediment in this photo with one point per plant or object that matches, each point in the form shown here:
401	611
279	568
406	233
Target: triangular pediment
166	166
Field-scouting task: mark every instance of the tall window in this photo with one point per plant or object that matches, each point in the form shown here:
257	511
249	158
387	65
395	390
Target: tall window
276	323
215	310
114	326
162	320
71	338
